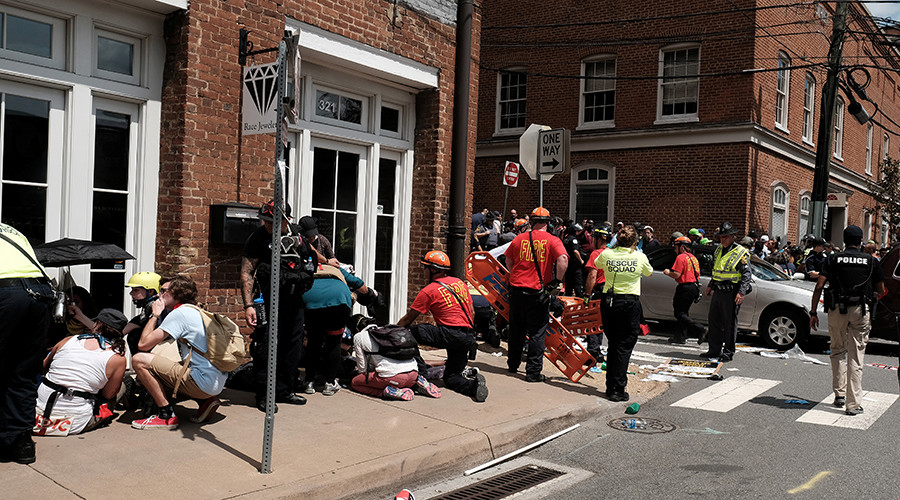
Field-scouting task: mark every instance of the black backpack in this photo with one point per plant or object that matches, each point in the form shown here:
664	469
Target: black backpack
395	342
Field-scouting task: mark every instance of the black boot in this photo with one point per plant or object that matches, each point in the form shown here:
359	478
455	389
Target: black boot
22	449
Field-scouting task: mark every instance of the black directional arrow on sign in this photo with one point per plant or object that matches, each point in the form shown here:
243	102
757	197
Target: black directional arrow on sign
552	164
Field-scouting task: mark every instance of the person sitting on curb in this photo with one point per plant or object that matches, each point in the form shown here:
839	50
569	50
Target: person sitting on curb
447	299
383	376
160	371
81	371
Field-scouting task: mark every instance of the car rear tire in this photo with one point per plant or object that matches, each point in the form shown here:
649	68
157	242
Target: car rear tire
782	327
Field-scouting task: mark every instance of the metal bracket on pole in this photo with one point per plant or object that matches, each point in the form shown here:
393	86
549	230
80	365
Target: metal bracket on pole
245	47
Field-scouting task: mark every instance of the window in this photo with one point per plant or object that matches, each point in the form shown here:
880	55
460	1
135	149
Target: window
867	225
838	128
885	147
778	222
803	219
591	193
391	120
117	56
341	108
511	100
869	133
679	89
31	37
598	96
809	107
782	90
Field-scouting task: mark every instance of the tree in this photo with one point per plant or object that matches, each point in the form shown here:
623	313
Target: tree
886	195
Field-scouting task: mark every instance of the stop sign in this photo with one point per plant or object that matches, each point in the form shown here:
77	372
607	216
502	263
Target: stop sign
511	174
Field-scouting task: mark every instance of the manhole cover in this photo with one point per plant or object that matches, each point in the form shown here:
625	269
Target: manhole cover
641	425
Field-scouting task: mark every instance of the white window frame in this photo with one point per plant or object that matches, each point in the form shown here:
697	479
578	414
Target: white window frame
838	151
363	124
610	181
401	121
512	130
582	124
870	132
782	92
885	147
58	39
687	117
809	108
803	209
137	64
867	225
779	187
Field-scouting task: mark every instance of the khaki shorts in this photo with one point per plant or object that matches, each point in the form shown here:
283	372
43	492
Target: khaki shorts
168	370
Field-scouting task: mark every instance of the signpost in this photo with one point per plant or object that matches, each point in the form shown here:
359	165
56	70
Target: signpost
543	153
510	179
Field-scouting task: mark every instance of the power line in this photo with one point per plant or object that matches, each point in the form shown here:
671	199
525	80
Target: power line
654	77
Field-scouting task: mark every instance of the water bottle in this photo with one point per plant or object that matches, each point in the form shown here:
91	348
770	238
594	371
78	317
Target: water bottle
260	305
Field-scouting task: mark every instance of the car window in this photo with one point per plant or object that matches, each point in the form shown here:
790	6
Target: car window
661	258
765	271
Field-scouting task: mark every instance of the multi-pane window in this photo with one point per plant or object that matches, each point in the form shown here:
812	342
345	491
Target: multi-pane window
886	147
599	90
809	106
779	211
838	128
31	37
782	88
869	132
803	221
679	85
592	194
25	126
511	100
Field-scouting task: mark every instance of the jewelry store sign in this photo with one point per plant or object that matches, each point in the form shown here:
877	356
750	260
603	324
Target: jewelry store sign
260	97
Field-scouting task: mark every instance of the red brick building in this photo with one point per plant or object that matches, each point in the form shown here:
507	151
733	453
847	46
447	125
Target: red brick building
653	142
136	106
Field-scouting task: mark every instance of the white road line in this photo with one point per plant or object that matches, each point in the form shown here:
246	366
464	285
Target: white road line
874	403
727	394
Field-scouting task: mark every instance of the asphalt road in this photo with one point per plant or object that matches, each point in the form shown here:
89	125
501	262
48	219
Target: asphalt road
758	449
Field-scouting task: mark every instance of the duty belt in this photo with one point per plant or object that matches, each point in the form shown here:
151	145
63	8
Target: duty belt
19	282
61	389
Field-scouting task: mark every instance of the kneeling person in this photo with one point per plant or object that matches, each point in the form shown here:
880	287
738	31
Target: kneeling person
447	299
159	373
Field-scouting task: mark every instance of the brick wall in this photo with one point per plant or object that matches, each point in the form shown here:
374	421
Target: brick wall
205	160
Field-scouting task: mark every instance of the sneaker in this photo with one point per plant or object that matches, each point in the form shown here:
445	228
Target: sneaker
207	409
398	394
840	401
426	388
309	389
331	388
470	372
481	390
854	411
154	422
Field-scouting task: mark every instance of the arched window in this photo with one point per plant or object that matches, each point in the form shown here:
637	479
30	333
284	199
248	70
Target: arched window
803	219
591	193
778	222
782	91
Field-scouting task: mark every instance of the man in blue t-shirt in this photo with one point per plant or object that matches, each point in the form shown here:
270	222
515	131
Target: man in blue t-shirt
161	371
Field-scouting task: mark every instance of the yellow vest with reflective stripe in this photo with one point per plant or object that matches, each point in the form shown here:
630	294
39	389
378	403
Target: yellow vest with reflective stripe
725	266
12	263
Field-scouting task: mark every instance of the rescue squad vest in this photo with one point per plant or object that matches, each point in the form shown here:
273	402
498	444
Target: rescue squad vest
725	265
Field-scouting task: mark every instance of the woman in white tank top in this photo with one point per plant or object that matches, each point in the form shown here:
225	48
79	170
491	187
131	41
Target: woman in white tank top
79	370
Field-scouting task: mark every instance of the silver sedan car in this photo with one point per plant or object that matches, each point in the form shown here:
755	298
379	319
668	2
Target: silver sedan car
777	309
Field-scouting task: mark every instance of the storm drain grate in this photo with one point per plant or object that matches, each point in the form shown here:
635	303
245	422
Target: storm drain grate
503	485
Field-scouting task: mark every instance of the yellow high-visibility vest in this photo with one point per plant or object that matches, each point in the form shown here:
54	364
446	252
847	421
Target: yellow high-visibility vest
725	266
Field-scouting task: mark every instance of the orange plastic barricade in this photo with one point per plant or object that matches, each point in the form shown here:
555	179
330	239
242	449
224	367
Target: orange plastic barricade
561	348
581	319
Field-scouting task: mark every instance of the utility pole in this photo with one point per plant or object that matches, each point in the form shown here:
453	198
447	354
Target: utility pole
826	123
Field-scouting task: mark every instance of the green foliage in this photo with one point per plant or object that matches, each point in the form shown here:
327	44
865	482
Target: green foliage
886	194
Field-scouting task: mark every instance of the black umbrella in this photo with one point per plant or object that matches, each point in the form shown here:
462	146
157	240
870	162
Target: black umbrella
71	252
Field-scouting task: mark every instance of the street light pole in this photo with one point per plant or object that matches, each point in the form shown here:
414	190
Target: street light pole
826	123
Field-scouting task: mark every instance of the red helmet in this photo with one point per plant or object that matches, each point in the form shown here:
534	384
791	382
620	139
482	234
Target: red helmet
682	240
437	259
540	214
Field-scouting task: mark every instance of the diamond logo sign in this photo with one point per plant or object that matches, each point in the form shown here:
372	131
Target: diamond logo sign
260	94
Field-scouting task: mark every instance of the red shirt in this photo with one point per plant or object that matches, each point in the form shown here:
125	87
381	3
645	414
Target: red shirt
519	260
591	264
687	265
443	306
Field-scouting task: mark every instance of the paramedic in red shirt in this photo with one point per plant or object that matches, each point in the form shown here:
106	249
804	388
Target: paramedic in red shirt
529	312
686	272
447	299
595	281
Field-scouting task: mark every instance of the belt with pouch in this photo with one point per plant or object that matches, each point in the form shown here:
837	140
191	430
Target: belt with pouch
20	282
61	389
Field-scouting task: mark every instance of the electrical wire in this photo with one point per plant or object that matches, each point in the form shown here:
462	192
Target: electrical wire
654	77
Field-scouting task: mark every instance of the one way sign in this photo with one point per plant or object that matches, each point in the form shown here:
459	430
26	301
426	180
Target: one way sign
553	151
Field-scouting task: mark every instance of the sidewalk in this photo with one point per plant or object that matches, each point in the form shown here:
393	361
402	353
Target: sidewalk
331	447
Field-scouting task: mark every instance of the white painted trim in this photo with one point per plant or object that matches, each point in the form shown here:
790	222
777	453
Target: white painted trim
610	181
318	45
779	123
688	117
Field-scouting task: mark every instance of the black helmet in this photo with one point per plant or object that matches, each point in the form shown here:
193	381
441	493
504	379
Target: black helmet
725	229
604	232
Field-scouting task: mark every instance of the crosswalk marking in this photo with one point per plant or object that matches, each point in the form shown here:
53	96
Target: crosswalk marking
727	394
874	403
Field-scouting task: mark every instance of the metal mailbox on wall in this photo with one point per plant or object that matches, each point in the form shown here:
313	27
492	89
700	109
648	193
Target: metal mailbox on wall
232	223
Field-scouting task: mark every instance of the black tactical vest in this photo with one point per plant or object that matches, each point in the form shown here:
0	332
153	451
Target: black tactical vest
850	274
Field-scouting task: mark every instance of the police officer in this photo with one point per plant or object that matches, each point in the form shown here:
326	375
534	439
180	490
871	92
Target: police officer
25	295
853	278
686	272
530	258
731	282
816	258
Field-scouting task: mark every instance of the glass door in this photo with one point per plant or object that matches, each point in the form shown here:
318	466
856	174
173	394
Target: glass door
337	180
386	211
